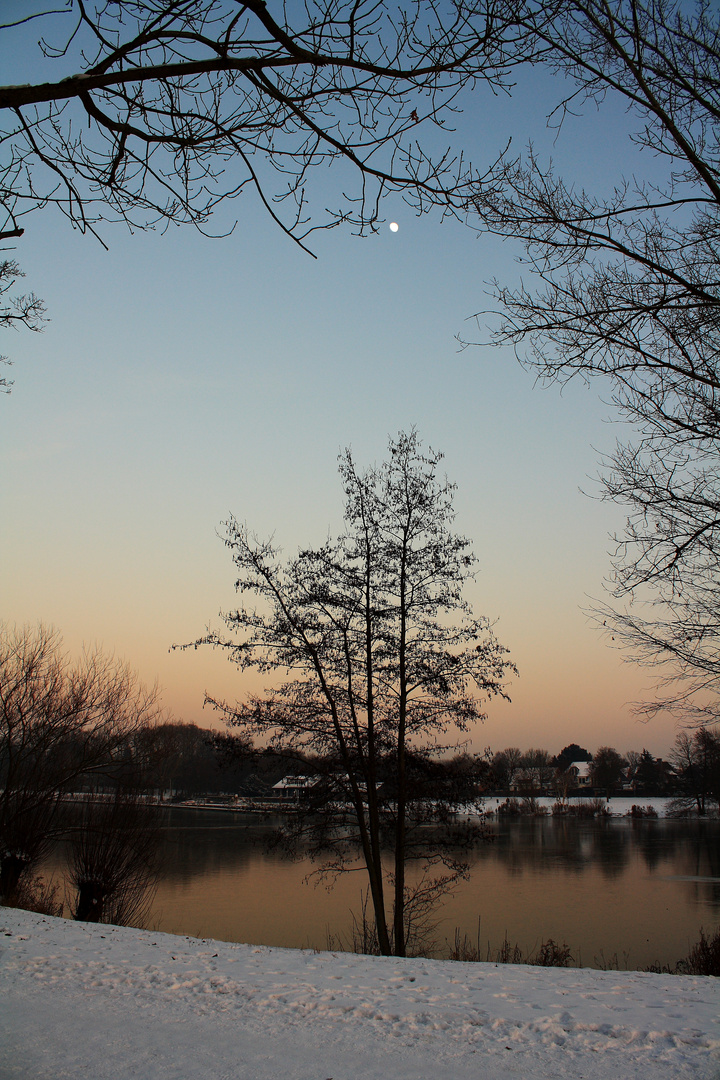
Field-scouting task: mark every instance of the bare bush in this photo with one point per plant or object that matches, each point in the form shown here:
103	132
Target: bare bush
703	959
637	812
36	894
62	725
113	859
552	954
591	808
548	954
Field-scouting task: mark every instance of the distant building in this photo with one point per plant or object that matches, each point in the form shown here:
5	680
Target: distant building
294	788
580	771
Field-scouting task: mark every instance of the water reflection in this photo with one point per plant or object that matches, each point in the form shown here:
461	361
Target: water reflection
637	889
538	845
210	841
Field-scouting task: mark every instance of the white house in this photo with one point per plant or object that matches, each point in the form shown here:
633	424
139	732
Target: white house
581	771
294	788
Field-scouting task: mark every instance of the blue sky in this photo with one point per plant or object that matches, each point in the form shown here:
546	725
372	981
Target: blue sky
181	379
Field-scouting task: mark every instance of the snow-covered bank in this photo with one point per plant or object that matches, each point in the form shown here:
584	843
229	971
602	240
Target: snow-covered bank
619	806
112	1003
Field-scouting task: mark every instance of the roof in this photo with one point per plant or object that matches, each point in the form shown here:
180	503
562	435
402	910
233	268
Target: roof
294	782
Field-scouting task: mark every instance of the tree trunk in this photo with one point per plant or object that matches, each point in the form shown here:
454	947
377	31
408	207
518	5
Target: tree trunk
11	869
399	915
374	866
90	902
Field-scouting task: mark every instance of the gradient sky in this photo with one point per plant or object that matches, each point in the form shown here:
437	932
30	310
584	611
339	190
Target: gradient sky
181	379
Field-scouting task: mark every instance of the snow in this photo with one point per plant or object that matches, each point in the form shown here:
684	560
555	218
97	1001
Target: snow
113	1003
619	806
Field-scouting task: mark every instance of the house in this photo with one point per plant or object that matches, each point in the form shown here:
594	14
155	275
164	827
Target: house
294	788
580	772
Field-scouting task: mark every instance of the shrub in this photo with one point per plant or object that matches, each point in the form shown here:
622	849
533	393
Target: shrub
703	958
549	954
35	894
509	954
581	809
642	812
528	806
552	954
464	950
113	863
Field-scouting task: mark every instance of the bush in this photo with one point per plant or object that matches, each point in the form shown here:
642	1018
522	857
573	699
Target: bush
584	809
508	954
35	894
528	806
464	950
549	954
113	862
552	954
703	958
642	812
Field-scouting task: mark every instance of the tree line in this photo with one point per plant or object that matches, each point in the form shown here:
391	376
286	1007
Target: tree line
181	761
690	775
194	761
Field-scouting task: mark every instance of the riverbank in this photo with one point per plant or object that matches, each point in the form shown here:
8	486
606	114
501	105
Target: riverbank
619	806
111	1003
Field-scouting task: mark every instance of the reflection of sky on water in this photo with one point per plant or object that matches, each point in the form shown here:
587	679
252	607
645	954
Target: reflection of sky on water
641	890
687	877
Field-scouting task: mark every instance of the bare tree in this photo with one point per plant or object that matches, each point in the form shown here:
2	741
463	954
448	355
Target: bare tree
536	769
626	286
113	858
154	112
60	724
157	111
382	656
606	768
506	764
696	759
16	311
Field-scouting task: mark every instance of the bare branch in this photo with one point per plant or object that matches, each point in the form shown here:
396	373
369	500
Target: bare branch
378	656
627	287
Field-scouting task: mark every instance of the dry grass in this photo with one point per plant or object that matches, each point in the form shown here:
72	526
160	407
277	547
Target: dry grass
36	894
548	954
703	959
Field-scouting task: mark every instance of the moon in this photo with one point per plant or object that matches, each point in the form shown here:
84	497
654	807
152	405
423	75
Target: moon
394	226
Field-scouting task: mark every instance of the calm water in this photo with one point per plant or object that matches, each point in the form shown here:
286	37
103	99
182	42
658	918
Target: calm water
640	891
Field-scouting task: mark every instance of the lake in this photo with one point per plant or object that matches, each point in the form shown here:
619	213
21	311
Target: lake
615	891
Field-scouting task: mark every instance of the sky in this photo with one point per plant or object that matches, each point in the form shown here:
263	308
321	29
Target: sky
181	379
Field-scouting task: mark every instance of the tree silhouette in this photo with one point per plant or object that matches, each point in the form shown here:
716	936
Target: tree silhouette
382	656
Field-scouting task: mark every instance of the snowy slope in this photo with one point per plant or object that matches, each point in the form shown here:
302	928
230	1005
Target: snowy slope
113	1003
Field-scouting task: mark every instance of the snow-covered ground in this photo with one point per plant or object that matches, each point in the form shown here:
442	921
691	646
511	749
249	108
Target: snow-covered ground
617	806
111	1003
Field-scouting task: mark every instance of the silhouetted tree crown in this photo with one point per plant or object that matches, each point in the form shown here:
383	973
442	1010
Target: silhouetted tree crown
380	655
